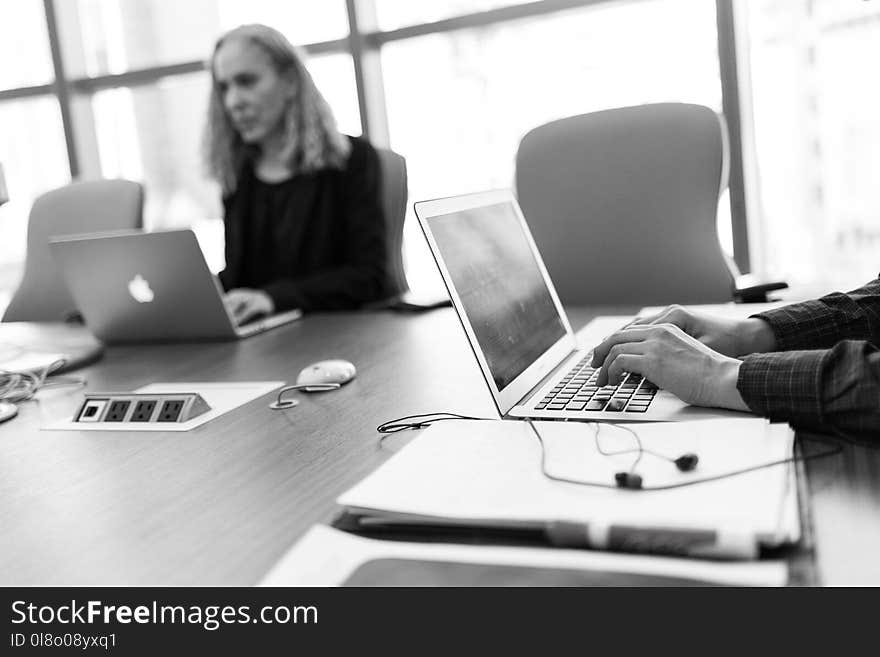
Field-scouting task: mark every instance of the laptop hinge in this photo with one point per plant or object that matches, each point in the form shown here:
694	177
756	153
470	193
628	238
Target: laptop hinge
546	379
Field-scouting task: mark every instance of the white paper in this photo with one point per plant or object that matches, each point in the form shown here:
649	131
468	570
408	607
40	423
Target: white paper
489	473
327	557
221	397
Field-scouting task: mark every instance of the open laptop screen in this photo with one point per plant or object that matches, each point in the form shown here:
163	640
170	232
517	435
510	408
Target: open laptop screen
500	285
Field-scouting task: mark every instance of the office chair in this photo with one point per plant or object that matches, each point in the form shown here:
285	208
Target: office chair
623	205
80	207
394	196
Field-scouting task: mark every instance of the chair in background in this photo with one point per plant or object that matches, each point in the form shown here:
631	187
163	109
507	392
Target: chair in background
81	207
623	205
394	196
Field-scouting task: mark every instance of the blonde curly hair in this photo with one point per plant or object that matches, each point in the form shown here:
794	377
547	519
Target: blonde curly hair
313	140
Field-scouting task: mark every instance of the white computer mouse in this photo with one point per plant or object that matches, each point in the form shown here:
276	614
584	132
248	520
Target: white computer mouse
327	371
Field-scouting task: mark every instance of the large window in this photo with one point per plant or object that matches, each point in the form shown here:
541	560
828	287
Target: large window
816	138
459	102
32	144
34	161
152	133
453	85
116	36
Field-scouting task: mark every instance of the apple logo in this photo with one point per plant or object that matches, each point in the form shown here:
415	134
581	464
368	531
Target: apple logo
139	288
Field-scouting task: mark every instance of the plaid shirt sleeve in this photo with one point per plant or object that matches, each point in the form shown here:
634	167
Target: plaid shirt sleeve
827	372
837	387
822	323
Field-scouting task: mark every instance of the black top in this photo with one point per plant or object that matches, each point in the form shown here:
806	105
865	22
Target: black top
315	241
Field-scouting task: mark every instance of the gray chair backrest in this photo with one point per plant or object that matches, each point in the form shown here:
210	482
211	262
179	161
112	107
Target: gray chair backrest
394	196
81	207
623	204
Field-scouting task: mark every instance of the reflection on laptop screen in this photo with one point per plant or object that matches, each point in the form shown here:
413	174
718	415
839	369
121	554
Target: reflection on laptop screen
500	285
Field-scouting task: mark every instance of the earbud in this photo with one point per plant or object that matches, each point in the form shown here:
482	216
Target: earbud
628	480
687	462
632	481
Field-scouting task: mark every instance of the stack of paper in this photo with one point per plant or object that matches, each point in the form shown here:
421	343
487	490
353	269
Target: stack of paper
489	474
329	557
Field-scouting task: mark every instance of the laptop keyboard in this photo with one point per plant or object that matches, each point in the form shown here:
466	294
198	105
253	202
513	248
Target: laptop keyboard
577	391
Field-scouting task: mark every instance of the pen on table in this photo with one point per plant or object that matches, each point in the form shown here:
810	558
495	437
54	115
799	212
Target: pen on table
704	543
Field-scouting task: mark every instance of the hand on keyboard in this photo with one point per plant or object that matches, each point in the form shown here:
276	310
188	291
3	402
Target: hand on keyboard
728	336
578	391
672	359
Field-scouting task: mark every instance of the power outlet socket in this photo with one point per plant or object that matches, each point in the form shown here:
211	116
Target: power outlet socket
171	410
135	408
117	410
143	410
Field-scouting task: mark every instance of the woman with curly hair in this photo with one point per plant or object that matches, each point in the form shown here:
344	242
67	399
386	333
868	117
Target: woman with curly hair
303	219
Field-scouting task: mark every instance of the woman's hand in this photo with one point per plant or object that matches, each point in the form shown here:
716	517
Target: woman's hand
245	304
673	360
731	337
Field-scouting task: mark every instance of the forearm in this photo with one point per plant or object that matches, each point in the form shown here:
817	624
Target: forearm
755	336
837	387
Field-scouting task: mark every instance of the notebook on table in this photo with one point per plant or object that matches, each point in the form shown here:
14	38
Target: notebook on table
487	474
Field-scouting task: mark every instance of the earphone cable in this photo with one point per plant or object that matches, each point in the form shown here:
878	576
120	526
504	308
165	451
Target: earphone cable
423	420
836	449
639	449
420	421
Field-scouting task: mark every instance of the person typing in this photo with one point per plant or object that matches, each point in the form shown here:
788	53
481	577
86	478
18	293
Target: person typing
303	219
815	364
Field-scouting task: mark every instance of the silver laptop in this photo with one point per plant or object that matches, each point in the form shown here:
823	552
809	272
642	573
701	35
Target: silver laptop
144	287
516	325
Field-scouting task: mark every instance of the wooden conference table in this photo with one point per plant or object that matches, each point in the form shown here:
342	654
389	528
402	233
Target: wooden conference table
219	505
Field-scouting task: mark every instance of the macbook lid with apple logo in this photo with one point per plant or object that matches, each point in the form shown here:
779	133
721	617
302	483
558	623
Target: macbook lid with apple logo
143	287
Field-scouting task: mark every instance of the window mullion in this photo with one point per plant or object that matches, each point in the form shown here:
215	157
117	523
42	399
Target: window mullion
62	88
368	72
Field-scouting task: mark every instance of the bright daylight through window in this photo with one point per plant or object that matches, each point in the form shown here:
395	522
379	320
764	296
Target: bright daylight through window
453	85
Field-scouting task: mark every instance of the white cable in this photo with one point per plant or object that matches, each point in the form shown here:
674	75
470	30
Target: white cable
16	387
